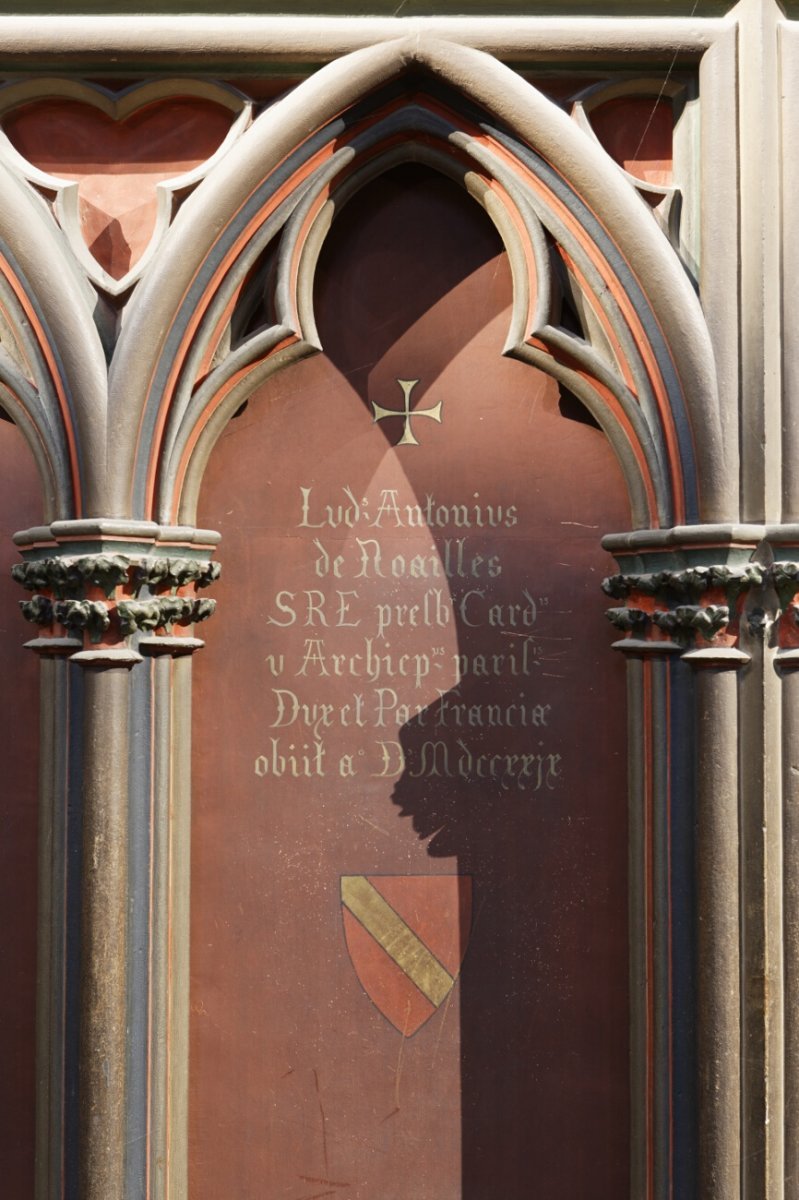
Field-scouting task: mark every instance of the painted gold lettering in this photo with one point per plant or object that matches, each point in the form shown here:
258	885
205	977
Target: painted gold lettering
370	558
463	608
315	603
314	657
283	607
388	507
386	700
306	761
433	761
392	760
332	516
343	610
290	709
325	565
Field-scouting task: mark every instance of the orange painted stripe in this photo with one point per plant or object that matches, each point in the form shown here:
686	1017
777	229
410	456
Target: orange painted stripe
602	318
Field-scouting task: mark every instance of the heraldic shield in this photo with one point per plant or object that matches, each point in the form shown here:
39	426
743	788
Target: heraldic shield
406	936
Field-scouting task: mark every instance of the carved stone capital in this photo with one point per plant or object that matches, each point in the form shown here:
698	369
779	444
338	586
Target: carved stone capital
688	598
682	611
102	588
751	570
785	574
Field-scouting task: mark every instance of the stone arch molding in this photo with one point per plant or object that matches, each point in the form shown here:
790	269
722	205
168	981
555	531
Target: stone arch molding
53	373
122	421
644	366
131	442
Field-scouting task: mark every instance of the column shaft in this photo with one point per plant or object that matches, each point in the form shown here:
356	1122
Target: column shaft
104	925
718	935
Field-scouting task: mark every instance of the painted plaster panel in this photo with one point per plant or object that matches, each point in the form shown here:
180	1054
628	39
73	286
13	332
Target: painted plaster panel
487	745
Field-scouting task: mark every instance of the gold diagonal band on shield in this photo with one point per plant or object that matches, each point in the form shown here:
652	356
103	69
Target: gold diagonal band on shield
397	939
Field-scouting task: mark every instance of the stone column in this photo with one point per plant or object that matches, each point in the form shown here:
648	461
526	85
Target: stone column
786	579
718	886
683	612
104	957
116	604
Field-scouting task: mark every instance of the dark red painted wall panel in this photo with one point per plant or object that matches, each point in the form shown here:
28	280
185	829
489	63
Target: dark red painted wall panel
20	507
409	746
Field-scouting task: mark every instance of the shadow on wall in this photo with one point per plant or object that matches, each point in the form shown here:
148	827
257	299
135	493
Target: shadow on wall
517	774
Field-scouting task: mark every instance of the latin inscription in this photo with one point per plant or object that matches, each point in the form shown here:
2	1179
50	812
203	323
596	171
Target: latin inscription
388	623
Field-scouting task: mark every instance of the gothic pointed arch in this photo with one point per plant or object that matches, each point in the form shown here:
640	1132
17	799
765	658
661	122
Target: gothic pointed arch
643	365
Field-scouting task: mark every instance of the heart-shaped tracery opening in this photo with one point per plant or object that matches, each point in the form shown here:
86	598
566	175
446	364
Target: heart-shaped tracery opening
118	163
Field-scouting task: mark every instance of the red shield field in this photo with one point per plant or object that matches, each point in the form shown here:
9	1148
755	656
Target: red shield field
406	936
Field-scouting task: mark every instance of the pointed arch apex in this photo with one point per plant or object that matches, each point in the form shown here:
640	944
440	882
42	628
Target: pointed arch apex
249	197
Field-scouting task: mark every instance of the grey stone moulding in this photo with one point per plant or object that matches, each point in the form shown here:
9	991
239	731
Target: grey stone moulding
245	41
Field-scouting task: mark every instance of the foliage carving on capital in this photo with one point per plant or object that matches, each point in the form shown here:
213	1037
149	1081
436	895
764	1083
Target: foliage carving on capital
785	576
175	572
682	608
140	616
91	616
687	584
628	619
707	604
68	577
38	610
687	618
785	581
110	597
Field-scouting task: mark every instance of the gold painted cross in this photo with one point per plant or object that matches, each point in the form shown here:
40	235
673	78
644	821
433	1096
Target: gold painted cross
407	438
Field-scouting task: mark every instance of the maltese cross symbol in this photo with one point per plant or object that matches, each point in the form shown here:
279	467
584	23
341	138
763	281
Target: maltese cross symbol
407	412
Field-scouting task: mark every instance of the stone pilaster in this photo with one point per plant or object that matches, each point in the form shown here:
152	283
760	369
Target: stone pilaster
120	601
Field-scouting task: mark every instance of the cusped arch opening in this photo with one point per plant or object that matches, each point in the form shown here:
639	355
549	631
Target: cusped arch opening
551	325
645	371
394	131
405	169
